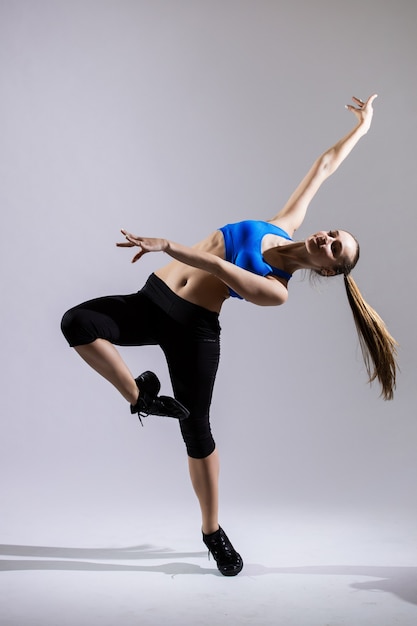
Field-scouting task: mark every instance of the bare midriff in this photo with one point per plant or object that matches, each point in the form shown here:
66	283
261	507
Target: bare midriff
194	285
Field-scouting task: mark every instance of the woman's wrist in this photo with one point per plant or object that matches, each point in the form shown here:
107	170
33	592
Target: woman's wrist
363	126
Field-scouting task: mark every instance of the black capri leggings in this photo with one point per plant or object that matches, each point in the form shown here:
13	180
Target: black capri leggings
189	336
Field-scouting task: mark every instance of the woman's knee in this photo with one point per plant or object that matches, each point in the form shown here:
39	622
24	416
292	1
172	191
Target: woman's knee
76	327
197	437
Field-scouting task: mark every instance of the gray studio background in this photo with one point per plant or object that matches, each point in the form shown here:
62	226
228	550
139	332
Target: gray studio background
172	118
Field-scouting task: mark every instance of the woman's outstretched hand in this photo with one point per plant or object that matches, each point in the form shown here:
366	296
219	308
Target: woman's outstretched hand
363	111
145	244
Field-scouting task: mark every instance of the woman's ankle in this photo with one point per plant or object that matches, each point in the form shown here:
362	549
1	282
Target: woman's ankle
210	529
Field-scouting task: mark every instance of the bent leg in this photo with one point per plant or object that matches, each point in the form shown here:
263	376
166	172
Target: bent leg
105	359
92	328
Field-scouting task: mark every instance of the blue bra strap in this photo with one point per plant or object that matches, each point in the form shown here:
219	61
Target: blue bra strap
280	273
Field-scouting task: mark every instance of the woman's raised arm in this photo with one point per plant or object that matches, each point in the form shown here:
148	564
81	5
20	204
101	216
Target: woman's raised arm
292	215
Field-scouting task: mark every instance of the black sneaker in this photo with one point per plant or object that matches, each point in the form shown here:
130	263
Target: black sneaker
149	403
229	562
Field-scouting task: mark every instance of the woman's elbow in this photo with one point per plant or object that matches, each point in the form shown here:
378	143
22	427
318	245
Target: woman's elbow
271	299
281	299
326	163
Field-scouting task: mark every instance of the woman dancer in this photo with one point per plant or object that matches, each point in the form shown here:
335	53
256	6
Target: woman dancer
178	309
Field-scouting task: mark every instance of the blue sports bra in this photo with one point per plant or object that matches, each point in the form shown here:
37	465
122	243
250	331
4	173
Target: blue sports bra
243	242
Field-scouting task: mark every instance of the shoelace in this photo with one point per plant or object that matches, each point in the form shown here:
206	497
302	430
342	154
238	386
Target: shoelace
142	414
145	412
221	548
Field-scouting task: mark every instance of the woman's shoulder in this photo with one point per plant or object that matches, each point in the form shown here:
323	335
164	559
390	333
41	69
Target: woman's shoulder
213	243
283	225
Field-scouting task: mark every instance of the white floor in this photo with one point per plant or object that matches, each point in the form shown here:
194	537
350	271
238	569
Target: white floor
301	570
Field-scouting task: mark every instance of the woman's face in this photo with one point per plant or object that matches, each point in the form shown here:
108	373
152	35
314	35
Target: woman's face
332	249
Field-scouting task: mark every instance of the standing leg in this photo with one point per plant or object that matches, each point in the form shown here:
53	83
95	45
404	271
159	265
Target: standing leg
193	366
193	357
204	475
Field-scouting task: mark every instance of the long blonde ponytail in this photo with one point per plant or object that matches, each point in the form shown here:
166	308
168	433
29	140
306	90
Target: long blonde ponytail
377	345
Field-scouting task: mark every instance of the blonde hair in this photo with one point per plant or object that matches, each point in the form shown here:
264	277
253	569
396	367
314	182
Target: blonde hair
377	345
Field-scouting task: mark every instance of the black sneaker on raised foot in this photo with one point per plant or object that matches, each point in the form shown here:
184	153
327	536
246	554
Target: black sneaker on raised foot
229	562
149	403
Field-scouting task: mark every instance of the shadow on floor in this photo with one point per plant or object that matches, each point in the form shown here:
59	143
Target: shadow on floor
400	581
84	559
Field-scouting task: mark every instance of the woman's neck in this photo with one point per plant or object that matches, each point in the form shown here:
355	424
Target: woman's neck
290	257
